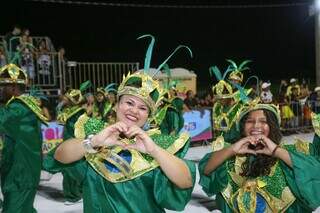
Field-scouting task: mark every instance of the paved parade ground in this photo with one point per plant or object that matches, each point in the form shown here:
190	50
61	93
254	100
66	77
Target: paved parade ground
49	198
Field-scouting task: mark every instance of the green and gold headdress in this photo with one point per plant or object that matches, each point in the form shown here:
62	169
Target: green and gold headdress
256	104
12	74
141	84
236	71
222	89
250	104
109	88
75	95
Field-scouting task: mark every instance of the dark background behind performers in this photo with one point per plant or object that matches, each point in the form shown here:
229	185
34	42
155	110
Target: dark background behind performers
279	40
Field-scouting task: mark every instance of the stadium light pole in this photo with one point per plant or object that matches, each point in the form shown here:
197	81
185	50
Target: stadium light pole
315	10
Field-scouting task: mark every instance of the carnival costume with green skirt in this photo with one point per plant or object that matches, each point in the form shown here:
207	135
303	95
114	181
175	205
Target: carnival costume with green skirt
20	121
284	189
223	116
169	117
117	180
72	188
108	107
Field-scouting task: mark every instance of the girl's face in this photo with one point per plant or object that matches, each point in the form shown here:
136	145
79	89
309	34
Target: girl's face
100	97
256	124
132	111
112	97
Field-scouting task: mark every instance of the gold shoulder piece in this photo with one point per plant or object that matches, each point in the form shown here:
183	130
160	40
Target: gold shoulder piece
218	144
33	104
79	126
302	146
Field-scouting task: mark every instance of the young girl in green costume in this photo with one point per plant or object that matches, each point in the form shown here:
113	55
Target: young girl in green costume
259	173
124	166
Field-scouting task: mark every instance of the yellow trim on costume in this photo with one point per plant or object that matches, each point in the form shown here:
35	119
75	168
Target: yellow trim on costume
33	104
67	113
139	165
79	126
218	144
315	118
252	187
148	85
302	146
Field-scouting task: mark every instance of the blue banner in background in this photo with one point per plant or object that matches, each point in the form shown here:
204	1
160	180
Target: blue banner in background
198	124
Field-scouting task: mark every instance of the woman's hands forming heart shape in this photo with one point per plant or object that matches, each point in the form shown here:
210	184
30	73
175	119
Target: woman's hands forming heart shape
112	134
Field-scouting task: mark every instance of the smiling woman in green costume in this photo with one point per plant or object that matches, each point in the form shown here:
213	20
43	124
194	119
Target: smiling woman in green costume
258	173
124	166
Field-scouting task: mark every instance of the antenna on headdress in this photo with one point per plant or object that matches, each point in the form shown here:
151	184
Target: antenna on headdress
147	60
167	59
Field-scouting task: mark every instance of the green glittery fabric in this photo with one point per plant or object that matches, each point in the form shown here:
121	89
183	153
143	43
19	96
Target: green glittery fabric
93	126
164	141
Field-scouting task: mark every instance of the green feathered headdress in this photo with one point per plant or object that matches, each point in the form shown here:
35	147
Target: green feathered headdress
141	84
236	71
222	89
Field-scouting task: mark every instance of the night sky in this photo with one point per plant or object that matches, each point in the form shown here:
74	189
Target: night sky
279	40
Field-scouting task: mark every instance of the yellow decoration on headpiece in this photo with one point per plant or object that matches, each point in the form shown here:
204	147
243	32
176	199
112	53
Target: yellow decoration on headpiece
102	91
12	74
75	96
148	89
254	105
222	89
236	75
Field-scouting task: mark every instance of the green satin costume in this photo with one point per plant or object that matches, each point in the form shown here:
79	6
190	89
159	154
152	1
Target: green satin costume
173	120
285	189
20	122
107	189
72	188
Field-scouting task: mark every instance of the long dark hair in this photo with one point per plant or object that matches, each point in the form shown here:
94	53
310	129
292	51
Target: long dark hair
260	165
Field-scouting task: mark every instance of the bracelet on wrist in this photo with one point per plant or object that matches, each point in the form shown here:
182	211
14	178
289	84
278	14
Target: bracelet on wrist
87	145
274	151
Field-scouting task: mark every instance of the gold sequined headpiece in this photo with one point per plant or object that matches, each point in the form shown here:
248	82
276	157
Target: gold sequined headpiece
12	74
75	95
141	84
236	71
254	105
222	89
109	88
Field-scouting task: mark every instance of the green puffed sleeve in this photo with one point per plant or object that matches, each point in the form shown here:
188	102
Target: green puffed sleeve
78	168
10	116
167	194
216	181
303	178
